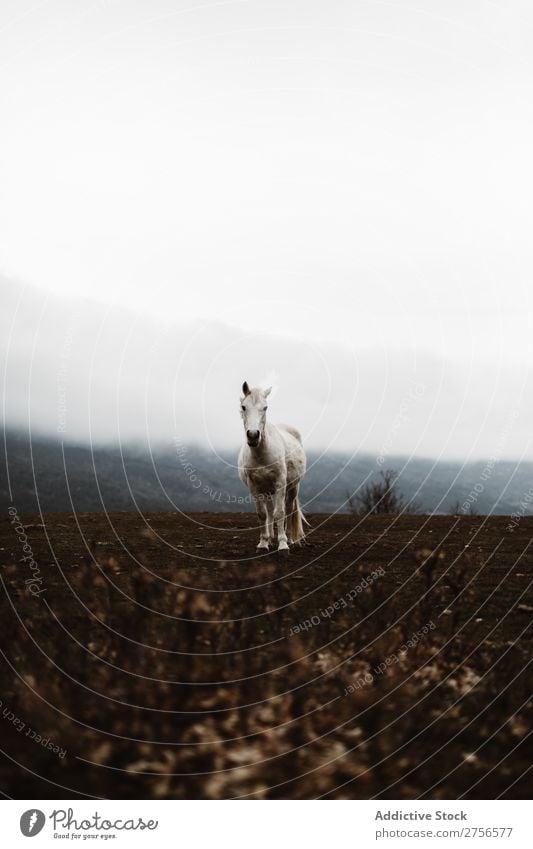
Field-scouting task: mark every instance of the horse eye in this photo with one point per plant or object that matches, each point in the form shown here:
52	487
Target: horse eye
243	408
265	409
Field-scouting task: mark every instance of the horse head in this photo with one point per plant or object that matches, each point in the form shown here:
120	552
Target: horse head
253	413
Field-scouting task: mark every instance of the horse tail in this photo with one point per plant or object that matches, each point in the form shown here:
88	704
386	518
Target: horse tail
296	521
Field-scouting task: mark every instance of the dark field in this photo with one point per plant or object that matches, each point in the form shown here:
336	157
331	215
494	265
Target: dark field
158	657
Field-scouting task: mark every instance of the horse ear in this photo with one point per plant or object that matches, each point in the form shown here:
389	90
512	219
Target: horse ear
245	389
267	392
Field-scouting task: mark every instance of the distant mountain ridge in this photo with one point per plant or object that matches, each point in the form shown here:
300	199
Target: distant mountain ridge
48	475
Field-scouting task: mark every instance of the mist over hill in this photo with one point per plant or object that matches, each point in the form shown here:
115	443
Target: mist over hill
94	373
48	475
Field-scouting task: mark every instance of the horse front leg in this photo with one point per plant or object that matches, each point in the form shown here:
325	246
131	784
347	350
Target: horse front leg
262	512
270	517
279	517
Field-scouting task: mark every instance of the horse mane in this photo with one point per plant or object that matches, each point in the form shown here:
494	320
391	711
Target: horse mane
292	430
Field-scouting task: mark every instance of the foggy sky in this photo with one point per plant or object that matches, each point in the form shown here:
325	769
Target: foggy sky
336	193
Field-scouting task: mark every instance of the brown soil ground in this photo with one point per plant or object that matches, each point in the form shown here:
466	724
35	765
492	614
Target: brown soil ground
159	657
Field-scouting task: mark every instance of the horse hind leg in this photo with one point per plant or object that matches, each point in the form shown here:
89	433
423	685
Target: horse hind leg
290	499
295	518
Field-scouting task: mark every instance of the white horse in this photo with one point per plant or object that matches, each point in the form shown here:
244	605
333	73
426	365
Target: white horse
272	464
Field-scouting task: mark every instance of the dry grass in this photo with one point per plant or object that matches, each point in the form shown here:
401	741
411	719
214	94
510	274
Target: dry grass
158	689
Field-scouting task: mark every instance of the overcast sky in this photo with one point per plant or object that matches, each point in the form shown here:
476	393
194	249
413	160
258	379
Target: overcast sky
353	178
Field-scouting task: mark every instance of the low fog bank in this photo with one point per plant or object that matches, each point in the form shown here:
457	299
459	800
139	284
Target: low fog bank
85	372
49	475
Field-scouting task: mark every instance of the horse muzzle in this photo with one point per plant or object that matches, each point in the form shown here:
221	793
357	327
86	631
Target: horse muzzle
253	438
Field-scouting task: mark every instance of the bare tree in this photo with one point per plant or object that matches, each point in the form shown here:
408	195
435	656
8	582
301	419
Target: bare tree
457	509
381	495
